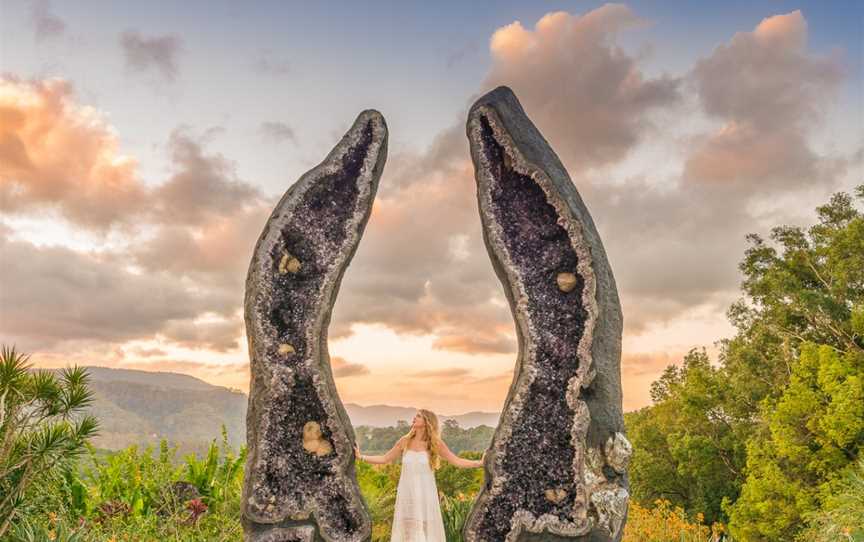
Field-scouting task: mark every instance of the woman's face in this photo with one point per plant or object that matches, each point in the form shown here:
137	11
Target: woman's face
418	421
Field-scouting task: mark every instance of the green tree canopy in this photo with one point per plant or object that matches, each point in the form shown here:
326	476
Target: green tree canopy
763	438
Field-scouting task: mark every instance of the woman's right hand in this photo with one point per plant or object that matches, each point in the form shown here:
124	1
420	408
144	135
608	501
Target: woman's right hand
356	451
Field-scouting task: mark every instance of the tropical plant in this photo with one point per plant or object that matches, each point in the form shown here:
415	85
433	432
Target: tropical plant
42	430
218	475
132	482
55	531
454	512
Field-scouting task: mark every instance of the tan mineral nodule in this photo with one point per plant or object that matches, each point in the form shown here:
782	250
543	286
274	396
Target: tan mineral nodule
555	495
313	441
566	281
288	264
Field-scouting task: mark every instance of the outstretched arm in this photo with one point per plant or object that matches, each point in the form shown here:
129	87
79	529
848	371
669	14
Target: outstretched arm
455	460
389	457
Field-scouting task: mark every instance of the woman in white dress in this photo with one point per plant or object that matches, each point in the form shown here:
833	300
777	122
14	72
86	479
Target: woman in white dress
417	515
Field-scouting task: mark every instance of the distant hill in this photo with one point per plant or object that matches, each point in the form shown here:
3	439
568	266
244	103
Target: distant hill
388	416
142	407
150	378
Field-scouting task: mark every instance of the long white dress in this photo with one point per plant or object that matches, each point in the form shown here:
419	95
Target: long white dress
417	516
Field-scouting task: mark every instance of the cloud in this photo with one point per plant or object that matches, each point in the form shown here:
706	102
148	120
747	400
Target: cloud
148	352
673	238
158	53
769	91
277	132
60	294
449	373
54	152
203	187
499	340
582	87
220	335
342	368
423	267
188	240
45	23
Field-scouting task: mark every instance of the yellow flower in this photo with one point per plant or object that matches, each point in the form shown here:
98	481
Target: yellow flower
52	535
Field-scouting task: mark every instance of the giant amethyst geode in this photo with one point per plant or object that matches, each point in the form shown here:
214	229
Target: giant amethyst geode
556	469
300	483
557	466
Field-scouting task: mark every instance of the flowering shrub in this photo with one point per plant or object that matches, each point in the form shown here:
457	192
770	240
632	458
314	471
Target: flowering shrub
663	523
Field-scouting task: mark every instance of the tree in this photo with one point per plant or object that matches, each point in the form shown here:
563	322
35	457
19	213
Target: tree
763	438
39	433
688	449
798	363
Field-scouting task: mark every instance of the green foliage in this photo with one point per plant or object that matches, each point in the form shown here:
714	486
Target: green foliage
815	430
842	516
144	495
377	440
454	512
133	481
688	446
218	475
809	296
473	439
454	480
29	532
378	485
764	438
40	435
137	407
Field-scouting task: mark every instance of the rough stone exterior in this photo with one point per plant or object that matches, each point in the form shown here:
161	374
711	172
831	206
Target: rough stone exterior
556	469
300	482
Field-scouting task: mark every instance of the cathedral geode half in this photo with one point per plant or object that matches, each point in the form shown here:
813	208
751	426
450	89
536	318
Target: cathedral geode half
556	469
300	483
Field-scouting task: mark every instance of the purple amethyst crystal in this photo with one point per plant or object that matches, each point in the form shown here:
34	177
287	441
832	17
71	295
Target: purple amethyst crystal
300	483
556	469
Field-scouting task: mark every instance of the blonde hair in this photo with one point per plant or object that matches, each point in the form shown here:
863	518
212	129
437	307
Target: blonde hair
432	437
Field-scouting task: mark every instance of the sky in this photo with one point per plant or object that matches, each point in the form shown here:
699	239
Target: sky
144	144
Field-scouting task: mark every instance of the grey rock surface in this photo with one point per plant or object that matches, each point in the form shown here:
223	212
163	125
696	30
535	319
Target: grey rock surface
300	483
548	476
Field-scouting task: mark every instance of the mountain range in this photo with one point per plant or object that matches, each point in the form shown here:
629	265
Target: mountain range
142	407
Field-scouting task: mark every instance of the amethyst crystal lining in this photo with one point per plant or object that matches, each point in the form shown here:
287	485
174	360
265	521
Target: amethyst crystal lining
300	482
547	475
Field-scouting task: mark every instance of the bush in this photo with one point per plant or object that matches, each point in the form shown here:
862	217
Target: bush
842	517
663	523
42	432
